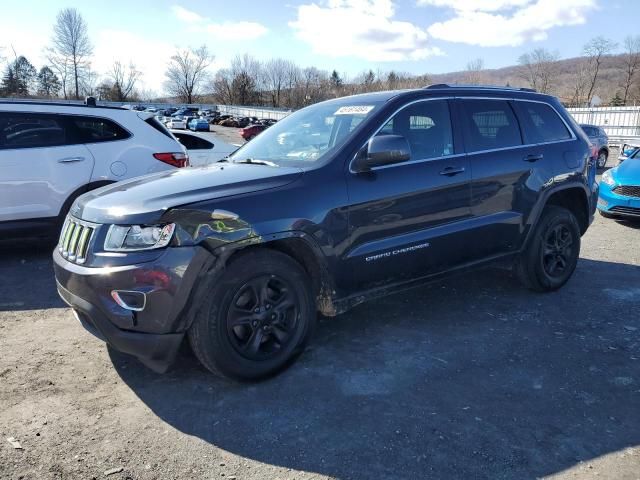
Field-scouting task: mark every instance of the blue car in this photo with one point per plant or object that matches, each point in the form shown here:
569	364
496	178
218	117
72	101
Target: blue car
620	190
198	124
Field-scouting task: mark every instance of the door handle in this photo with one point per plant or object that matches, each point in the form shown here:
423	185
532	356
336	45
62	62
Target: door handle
533	157
71	159
451	171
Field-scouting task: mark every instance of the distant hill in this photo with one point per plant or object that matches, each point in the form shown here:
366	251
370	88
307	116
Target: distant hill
609	78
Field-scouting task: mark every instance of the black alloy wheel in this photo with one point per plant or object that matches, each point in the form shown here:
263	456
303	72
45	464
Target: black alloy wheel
557	251
262	316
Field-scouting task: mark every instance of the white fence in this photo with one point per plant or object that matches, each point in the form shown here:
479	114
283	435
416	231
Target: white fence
621	123
260	112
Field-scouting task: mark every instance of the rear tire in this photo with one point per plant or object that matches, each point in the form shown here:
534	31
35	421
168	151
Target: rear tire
602	159
551	255
257	317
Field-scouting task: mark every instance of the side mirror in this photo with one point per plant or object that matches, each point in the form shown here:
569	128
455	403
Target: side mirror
382	150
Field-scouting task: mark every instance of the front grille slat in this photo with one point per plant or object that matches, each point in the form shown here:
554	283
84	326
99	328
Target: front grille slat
625	210
628	190
75	238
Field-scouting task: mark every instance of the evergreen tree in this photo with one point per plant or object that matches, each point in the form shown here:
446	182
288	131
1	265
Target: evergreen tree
18	78
48	83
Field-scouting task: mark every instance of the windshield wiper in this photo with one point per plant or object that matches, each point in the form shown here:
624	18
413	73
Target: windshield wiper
255	161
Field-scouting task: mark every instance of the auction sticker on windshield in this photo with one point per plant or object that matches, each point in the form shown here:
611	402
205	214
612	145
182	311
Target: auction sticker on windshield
354	110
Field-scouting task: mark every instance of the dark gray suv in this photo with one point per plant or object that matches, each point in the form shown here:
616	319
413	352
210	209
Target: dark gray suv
600	141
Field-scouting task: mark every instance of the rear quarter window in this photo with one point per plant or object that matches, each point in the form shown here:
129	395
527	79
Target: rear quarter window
541	123
96	130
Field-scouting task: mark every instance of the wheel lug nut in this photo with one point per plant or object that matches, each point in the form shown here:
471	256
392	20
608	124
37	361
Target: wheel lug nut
257	310
268	307
254	323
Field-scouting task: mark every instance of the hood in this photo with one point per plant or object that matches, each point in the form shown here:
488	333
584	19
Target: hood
627	173
145	199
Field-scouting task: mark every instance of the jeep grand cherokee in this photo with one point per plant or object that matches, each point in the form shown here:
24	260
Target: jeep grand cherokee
340	202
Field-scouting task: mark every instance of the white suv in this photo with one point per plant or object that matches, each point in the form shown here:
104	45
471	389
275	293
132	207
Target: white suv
52	153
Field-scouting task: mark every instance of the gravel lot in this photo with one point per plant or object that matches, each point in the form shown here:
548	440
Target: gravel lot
473	377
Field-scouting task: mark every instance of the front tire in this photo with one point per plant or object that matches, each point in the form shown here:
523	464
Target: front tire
257	318
551	255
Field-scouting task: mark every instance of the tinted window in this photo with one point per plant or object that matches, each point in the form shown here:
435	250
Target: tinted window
542	123
25	130
490	124
93	129
427	128
591	132
193	142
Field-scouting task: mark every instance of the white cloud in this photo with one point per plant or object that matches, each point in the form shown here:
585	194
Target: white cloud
237	31
478	5
361	28
506	22
185	15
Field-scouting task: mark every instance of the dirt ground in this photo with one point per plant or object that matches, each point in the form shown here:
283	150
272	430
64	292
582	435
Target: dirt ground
473	377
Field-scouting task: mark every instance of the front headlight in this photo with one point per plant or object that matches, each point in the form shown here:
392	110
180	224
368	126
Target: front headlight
607	178
123	238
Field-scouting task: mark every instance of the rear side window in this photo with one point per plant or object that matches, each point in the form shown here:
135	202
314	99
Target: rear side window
590	131
153	121
95	130
541	123
427	128
489	124
31	130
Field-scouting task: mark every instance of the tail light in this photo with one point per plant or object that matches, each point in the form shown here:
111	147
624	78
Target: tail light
174	159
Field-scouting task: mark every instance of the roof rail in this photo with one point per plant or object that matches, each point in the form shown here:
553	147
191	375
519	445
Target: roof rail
58	103
487	87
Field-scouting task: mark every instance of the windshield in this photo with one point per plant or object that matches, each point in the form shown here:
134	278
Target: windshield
306	136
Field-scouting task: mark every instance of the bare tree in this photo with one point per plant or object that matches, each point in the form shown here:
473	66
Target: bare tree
631	64
276	72
187	73
595	50
124	80
474	70
580	84
539	68
71	47
246	74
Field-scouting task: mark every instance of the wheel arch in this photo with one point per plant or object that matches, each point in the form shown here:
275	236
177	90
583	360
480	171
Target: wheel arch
79	191
304	250
574	197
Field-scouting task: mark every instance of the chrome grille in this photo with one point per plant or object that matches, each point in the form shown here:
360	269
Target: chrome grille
74	240
628	190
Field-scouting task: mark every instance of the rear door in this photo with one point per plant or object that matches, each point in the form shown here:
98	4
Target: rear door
405	218
41	165
506	174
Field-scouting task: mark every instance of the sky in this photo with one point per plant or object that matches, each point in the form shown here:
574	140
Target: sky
351	36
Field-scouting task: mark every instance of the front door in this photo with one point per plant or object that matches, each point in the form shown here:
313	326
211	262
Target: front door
403	217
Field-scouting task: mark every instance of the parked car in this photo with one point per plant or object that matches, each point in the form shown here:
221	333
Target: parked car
627	150
251	131
51	153
229	122
198	124
176	123
202	151
222	118
242	122
409	186
620	190
600	142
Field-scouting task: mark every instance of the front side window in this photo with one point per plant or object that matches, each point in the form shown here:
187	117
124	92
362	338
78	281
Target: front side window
542	124
309	135
426	126
94	129
31	130
489	124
